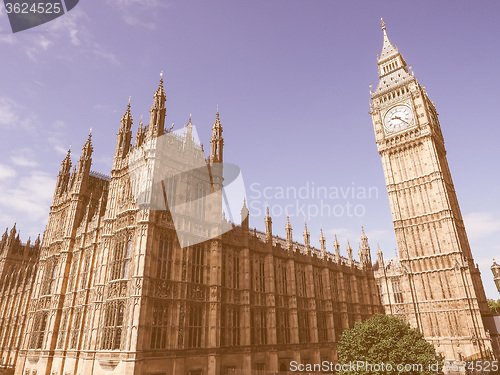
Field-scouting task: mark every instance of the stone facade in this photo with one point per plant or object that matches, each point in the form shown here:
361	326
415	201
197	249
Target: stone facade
435	285
18	265
115	293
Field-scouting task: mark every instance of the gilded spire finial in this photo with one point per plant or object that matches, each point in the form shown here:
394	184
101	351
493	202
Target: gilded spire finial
129	98
382	23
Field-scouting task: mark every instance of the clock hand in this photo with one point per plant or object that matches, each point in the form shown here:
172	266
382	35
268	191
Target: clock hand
399	118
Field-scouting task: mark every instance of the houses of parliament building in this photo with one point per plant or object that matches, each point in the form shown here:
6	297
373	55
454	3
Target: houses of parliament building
119	285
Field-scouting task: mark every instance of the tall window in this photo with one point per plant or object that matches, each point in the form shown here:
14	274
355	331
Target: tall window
301	280
199	203
159	327
348	289
197	264
73	271
120	265
280	277
304	331
39	327
396	290
259	274
283	326
195	326
337	325
334	286
322	326
53	276
236	270
231	269
113	325
85	270
75	328
62	330
360	291
230	335
380	293
259	326
164	266
171	187
49	276
318	283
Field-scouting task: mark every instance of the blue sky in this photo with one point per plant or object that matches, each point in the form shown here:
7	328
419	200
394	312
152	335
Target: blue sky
291	81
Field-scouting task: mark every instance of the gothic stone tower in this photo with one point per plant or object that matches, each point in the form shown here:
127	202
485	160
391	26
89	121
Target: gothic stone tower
443	295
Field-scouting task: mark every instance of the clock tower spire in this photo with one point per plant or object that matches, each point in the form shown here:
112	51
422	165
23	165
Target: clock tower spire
442	291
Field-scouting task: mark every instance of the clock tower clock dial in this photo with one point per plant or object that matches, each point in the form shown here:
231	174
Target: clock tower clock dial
398	118
443	295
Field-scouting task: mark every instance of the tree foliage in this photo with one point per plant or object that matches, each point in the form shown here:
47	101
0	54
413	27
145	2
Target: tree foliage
494	306
390	343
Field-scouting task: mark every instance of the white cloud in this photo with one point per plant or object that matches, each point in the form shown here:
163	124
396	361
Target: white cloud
100	51
8	116
68	25
6	172
482	224
135	21
7	38
59	124
29	196
23	161
138	12
24	157
55	140
55	35
14	115
43	42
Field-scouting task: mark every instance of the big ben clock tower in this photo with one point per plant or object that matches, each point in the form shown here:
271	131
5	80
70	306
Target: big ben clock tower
443	294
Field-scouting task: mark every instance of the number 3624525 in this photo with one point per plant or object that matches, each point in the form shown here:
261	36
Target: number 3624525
37	8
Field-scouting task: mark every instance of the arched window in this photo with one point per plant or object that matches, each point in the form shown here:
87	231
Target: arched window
53	278
199	208
120	264
197	264
113	325
38	331
171	187
49	277
85	270
126	261
160	325
165	248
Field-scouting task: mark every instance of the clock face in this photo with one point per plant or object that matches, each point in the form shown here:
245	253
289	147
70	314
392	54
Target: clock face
398	118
